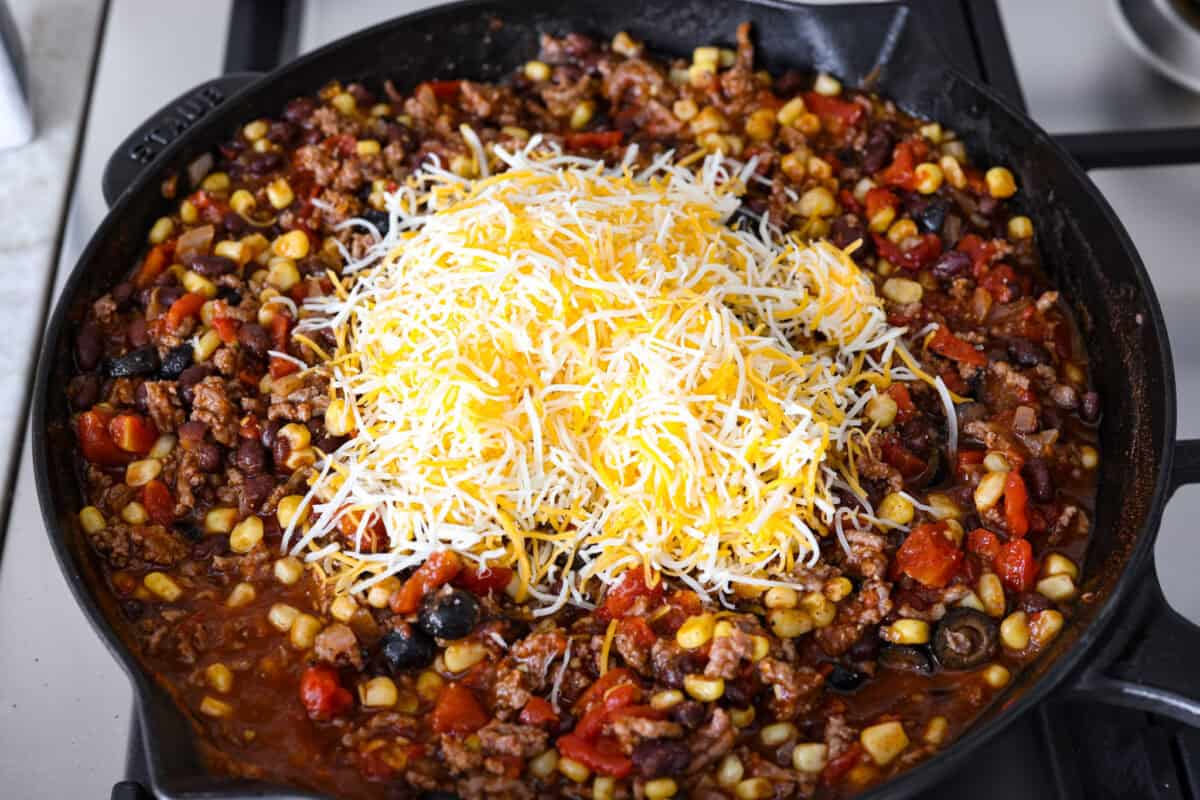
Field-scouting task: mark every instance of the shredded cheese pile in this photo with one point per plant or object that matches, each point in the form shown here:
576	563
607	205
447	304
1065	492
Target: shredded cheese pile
571	370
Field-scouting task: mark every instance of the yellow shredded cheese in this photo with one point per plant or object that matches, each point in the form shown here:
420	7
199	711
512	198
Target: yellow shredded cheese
564	363
606	648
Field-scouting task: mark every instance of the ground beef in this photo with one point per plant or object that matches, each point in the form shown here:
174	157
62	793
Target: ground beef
712	741
163	406
212	407
338	645
523	741
727	652
630	730
794	689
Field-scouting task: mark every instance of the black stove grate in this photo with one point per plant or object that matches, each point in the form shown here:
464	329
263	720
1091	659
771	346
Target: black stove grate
1062	750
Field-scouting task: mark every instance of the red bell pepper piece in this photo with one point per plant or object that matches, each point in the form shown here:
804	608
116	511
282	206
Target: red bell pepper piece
984	543
637	629
280	325
904	404
227	329
280	367
538	712
483	581
928	556
879	199
1016	565
831	108
603	756
133	433
621	695
153	264
186	306
438	570
96	442
968	459
457	711
1016	505
621	597
444	90
160	506
322	694
946	344
593	140
900	457
905	158
595	693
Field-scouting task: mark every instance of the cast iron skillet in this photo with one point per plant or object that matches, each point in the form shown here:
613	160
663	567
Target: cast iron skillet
1125	647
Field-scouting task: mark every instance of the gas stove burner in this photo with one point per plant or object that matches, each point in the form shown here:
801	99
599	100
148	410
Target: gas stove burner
1166	34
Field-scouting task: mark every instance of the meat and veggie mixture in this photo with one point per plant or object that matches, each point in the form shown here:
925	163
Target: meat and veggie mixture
945	513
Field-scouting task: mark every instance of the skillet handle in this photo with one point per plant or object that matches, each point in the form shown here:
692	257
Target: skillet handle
164	126
1154	667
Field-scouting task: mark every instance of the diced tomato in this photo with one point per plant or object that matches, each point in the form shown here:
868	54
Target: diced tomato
837	768
280	367
603	756
153	264
879	199
322	694
1016	505
593	140
438	569
1016	565
982	252
619	696
848	203
900	457
595	692
280	325
928	556
916	254
1002	283
133	433
946	344
538	712
954	382
985	543
249	428
968	459
905	158
227	329
637	629
160	506
827	108
621	597
186	306
96	442
444	90
483	581
458	711
904	404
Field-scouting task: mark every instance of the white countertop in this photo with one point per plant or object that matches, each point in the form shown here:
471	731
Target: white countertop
64	704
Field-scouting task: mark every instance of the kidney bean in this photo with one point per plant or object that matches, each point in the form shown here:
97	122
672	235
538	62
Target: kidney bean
269	432
191	432
254	337
255	490
951	264
84	391
877	152
1027	353
210	266
251	457
169	294
262	163
88	347
1038	479
653	758
123	293
280	450
190	377
1089	407
299	109
208	456
233	222
847	229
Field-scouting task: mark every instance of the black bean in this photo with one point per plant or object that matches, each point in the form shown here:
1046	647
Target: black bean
251	457
1027	353
877	152
951	264
1089	407
123	293
407	647
653	758
847	229
449	614
177	360
690	713
255	490
233	222
88	347
844	679
143	361
738	693
189	530
262	163
84	391
231	296
210	266
208	456
132	609
254	337
1038	478
169	294
930	215
380	219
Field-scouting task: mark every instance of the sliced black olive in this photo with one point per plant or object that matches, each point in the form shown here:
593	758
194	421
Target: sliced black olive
143	361
449	615
406	647
905	658
965	638
844	679
230	295
931	215
380	219
178	359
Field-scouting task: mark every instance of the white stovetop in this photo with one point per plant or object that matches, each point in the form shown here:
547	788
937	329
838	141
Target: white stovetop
64	704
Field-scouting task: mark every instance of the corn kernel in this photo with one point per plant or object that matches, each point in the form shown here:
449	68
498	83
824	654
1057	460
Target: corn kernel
882	219
838	589
343	608
885	741
245	535
198	284
293	244
932	131
543	766
953	172
1058	564
429	685
790	111
991	594
215	182
461	656
900	230
882	409
819	168
730	771
220	520
810	757
896	508
762	647
708	57
582	114
163	446
760	125
997	462
242	594
700	76
788	623
378	693
367	147
695	632
827	85
971	600
726	58
91	519
344	102
304	630
777	733
709	120
232	250
279	194
1045	626
1020	228
161	230
808	123
943	506
242	202
754	789
794	165
134	513
219	677
906	631
515	132
935	731
139	473
162	586
282	273
297	459
380	593
1059	588
989	490
660	788
212	707
381	110
1089	457
537	70
463	166
625	45
666	699
1014	631
339	418
604	787
706	690
1000	182
685	109
573	770
189	213
816	202
781	597
928	177
741	717
996	676
903	290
